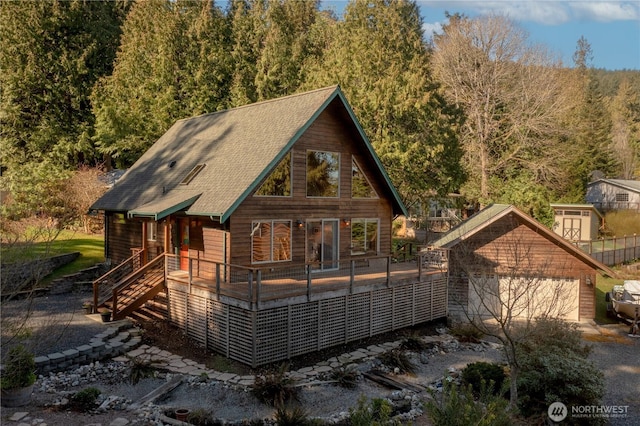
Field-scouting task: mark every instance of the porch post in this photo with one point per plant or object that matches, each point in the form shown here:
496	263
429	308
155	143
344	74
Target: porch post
145	243
167	235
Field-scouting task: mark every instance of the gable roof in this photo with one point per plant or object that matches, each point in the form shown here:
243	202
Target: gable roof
494	213
238	147
576	207
631	185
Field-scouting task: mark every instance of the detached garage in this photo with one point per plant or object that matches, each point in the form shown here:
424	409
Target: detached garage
503	262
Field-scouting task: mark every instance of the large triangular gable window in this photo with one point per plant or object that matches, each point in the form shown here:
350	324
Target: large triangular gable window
192	174
278	184
360	186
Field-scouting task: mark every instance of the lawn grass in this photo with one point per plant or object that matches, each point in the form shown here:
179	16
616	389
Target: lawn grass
603	286
90	246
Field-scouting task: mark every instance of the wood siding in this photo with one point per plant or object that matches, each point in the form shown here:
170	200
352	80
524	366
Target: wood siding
510	248
330	132
122	235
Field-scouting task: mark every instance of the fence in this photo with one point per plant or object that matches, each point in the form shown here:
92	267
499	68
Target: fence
613	251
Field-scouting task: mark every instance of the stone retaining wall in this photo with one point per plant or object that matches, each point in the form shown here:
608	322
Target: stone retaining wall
18	276
114	341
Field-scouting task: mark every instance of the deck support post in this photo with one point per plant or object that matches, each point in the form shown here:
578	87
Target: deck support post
218	281
352	271
308	268
258	286
388	271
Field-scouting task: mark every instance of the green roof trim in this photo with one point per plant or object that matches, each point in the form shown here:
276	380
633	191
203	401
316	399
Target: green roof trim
164	207
276	160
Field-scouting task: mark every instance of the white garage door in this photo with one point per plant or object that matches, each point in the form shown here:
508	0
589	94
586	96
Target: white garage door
522	297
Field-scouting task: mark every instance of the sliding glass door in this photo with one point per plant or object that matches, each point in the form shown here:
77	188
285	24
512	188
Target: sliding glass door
322	244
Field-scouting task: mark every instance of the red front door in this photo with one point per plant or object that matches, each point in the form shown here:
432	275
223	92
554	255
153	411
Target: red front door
184	244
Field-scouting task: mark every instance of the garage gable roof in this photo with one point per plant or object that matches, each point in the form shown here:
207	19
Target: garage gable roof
496	212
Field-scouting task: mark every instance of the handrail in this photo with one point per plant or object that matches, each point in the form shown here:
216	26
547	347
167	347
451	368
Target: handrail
258	284
103	286
139	290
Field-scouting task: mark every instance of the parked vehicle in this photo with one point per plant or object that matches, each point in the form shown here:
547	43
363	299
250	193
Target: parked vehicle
624	300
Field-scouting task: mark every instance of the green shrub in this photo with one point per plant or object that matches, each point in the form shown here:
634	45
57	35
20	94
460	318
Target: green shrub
466	333
19	369
346	377
295	416
85	399
413	342
140	369
275	388
554	366
457	406
396	358
377	412
483	375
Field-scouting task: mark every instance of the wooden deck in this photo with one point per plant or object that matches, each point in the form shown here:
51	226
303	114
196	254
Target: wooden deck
269	287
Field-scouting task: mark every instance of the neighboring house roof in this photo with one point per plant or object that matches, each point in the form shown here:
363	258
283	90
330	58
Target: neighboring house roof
494	213
238	147
111	177
631	185
577	207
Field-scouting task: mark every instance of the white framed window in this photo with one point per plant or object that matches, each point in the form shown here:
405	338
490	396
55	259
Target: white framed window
270	241
365	235
323	174
152	231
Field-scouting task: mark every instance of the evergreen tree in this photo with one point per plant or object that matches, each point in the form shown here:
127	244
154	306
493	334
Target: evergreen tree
162	73
51	54
591	129
378	56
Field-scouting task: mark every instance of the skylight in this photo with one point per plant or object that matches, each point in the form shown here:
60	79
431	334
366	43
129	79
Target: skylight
192	174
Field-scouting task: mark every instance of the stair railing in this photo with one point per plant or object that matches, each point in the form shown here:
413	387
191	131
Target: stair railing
139	287
103	286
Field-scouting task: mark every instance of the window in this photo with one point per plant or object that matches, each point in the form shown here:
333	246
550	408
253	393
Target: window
622	196
323	174
271	241
364	236
152	231
192	174
278	184
572	213
586	213
360	186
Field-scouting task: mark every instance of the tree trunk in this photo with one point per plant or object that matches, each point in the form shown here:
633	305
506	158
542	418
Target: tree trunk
513	388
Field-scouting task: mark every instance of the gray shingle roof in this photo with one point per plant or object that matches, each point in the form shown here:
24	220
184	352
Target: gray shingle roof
495	212
479	220
239	146
633	185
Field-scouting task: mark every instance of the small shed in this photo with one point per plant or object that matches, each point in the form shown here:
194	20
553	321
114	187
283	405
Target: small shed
500	258
576	222
614	194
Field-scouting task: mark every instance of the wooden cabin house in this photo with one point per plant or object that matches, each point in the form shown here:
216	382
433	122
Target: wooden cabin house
268	227
502	259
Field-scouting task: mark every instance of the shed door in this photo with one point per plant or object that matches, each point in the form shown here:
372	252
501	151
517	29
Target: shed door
571	228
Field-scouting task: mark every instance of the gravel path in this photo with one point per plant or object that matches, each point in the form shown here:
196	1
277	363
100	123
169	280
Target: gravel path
58	323
55	322
618	357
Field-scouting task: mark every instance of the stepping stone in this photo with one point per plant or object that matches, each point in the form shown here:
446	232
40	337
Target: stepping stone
18	416
225	377
120	421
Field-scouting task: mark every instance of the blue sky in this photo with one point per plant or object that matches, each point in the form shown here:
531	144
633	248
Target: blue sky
612	28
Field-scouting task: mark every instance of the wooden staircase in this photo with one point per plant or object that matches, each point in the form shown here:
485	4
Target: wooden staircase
133	289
